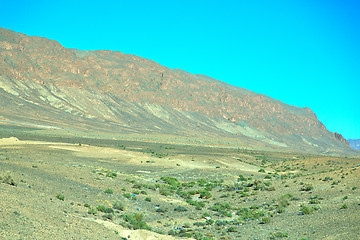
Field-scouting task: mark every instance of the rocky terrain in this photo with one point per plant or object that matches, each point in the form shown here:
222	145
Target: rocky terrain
86	188
43	84
354	143
106	145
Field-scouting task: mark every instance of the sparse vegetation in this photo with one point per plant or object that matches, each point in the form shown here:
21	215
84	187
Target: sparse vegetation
60	197
7	178
109	191
207	204
135	221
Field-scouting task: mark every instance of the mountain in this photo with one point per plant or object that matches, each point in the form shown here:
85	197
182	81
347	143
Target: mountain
45	85
354	143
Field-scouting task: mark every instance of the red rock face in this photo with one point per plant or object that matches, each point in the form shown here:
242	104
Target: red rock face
113	91
340	138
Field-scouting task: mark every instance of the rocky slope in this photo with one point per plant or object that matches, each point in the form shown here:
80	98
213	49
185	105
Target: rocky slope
45	84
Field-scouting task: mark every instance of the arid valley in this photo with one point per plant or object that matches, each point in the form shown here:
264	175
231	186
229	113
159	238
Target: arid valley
66	187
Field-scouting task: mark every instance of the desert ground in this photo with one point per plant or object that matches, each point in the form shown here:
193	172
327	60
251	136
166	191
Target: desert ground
96	188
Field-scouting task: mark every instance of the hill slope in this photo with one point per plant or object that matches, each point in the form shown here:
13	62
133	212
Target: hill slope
43	83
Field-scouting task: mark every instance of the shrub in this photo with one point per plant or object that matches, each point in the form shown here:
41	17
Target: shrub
314	201
111	174
7	179
118	206
180	209
137	186
278	235
108	216
148	199
261	170
241	178
265	220
247	214
171	181
198	204
161	210
101	208
92	211
199	224
127	195
109	191
307	187
306	210
209	222
221	223
165	192
344	206
327	179
135	221
205	195
60	197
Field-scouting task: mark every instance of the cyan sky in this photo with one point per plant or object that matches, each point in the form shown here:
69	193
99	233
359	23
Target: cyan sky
303	52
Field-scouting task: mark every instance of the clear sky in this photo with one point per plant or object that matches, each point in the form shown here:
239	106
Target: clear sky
303	52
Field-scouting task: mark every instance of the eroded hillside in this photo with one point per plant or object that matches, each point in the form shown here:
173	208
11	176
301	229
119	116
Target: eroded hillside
46	85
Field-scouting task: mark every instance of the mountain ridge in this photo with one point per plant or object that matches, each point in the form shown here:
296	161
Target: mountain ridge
43	82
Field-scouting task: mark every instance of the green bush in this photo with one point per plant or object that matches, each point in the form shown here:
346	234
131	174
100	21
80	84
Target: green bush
265	220
148	199
344	206
109	191
171	181
307	210
92	211
135	221
180	209
137	186
247	214
209	222
101	208
199	224
314	201
165	192
127	195
307	187
161	210
241	178
205	194
118	206
60	197
111	174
